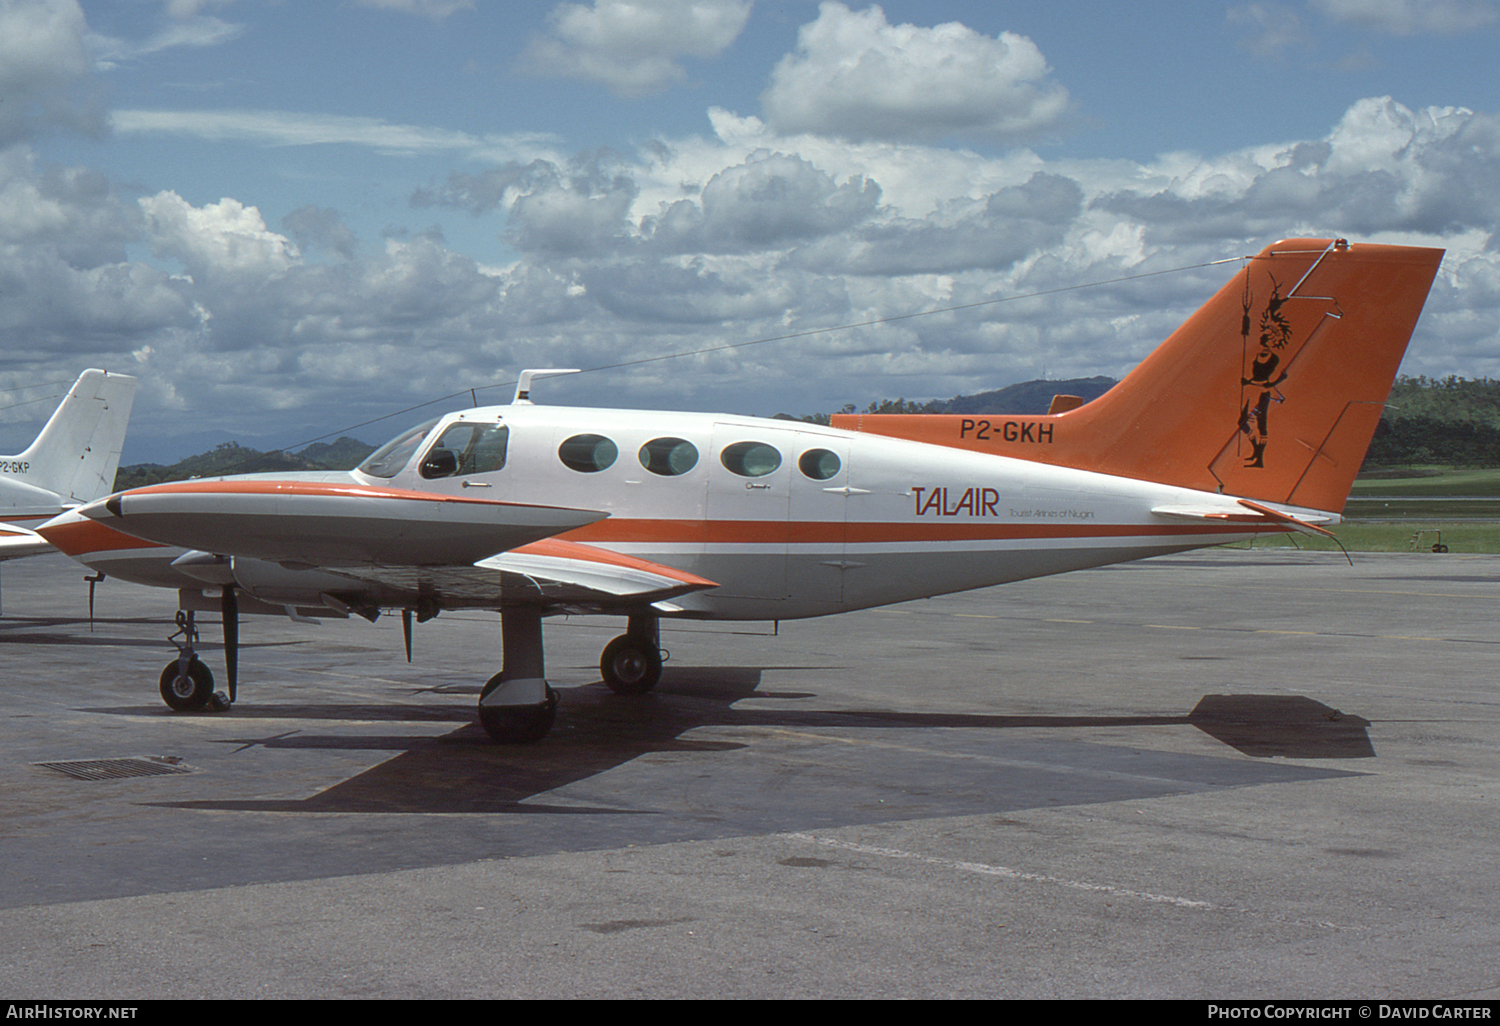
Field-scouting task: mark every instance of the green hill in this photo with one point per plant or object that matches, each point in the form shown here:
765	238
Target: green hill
233	458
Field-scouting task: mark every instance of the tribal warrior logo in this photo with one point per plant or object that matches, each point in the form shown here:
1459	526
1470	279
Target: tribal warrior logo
1262	386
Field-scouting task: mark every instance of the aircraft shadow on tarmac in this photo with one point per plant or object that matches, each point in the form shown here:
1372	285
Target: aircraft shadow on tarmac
598	731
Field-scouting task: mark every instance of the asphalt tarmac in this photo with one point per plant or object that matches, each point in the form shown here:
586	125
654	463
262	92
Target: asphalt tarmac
1227	774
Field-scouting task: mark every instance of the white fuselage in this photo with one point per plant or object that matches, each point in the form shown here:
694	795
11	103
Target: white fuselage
882	520
789	519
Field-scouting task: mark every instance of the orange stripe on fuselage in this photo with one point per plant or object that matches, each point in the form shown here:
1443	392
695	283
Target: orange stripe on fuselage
750	532
81	537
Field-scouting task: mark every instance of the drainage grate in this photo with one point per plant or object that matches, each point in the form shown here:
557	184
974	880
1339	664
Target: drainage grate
117	769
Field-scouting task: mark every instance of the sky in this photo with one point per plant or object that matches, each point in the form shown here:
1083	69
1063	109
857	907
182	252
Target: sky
298	220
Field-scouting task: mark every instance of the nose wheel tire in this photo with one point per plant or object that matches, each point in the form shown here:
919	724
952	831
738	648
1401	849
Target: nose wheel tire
630	666
190	691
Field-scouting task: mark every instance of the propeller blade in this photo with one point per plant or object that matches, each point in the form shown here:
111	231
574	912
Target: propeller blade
230	607
95	579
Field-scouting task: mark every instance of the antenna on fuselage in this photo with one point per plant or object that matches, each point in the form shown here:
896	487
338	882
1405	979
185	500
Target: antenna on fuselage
523	383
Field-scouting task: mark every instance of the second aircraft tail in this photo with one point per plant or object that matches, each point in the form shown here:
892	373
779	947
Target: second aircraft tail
78	451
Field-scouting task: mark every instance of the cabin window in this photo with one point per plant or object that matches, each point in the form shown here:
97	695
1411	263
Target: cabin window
388	460
669	456
588	454
467	448
819	464
750	459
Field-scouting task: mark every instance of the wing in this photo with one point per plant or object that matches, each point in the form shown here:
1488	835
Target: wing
330	524
551	572
354	546
16	542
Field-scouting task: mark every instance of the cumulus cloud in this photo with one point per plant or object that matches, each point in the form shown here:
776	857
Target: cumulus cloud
994	234
856	76
572	216
1383	168
44	70
634	47
322	229
217	239
487	190
1411	17
772	200
695	243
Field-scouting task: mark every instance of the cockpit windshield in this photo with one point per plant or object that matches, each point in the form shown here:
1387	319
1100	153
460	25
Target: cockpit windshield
388	460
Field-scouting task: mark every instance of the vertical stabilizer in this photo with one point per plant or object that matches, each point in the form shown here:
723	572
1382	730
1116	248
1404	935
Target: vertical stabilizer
1271	391
77	453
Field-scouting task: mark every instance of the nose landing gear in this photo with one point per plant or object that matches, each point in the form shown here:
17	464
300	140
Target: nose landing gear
186	684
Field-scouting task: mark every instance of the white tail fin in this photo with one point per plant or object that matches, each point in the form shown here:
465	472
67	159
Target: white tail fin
76	455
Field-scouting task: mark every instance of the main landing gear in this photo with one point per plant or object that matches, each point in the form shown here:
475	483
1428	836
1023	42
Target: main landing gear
631	664
518	706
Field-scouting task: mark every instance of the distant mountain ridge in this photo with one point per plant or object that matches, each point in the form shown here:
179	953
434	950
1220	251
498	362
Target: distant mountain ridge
1028	397
234	458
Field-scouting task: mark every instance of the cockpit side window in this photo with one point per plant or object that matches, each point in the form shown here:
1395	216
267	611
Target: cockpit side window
388	460
467	448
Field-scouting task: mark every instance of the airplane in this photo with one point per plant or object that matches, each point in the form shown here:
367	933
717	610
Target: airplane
1252	418
72	461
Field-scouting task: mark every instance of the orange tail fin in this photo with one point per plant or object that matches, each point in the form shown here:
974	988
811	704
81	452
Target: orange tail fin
1271	391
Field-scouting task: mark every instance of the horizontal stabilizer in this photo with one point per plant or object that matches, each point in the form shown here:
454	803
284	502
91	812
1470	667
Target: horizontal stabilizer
1305	522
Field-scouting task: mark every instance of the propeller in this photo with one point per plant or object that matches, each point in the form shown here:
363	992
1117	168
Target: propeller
97	578
230	607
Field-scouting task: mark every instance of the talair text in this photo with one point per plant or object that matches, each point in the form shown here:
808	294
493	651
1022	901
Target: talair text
934	501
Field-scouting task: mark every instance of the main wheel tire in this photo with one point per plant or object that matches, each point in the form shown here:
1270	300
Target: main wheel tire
517	724
630	666
190	692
